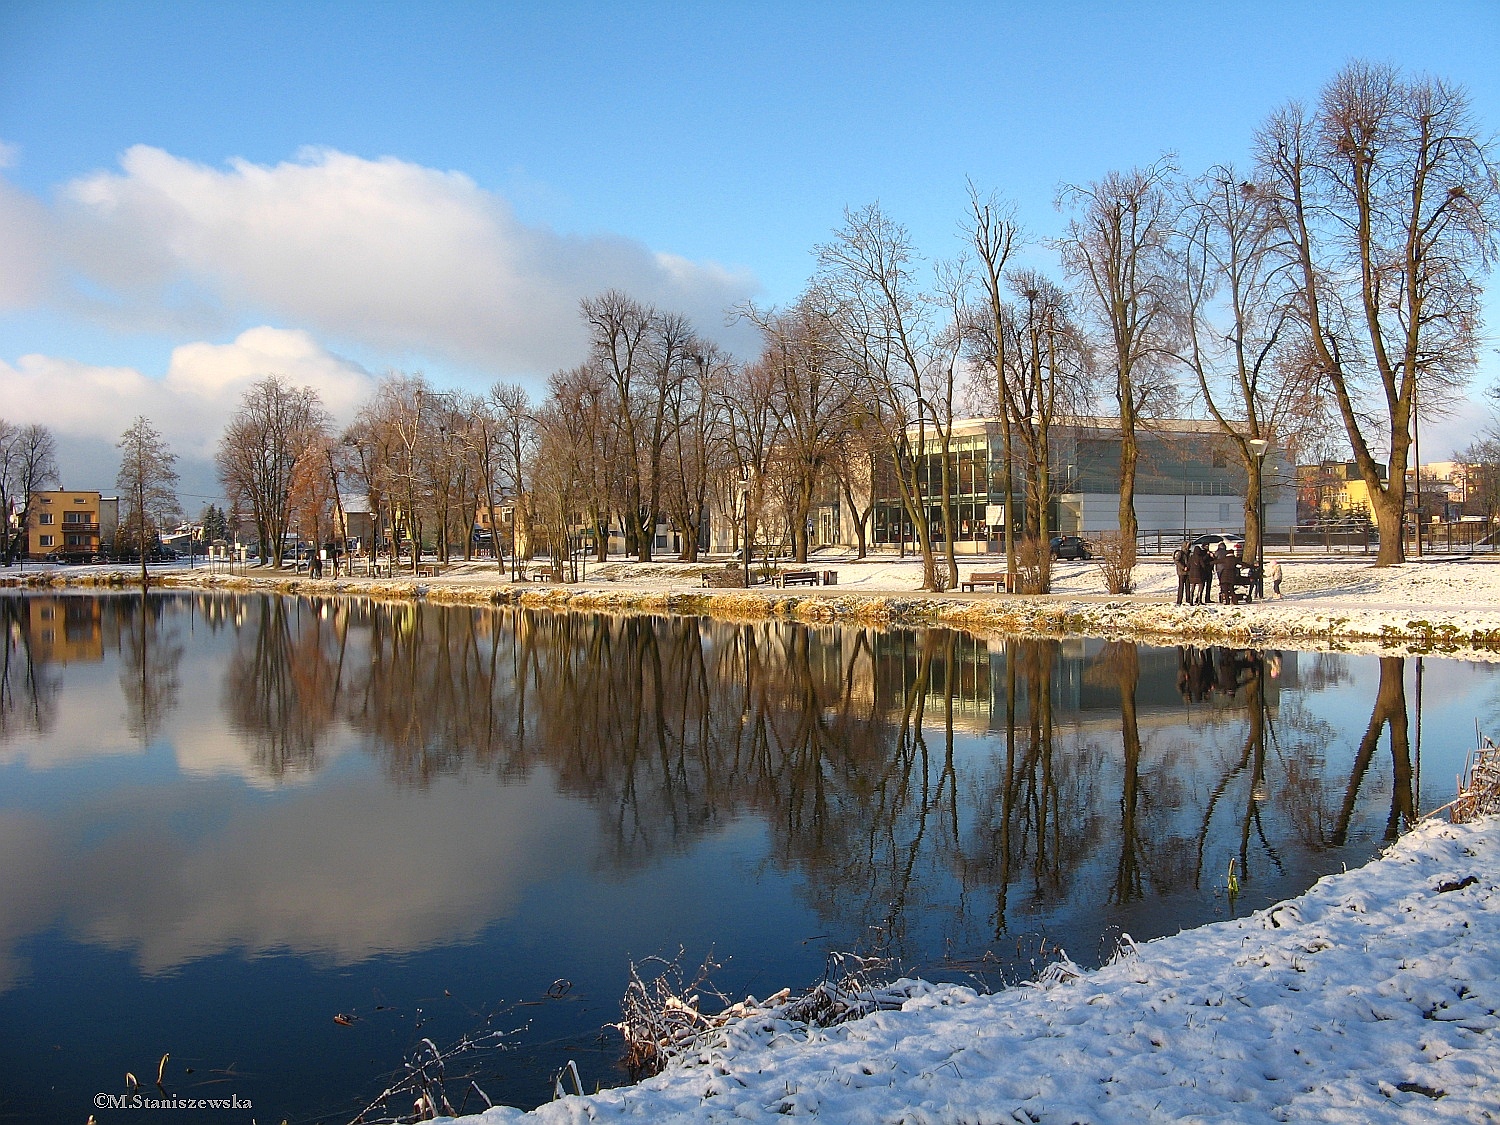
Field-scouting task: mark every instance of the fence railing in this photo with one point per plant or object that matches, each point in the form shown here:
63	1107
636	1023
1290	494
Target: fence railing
1340	538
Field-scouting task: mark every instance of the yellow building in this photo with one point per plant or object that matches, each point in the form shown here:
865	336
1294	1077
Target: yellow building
1333	490
69	525
65	630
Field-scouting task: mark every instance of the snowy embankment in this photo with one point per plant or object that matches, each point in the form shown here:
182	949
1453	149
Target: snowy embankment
1372	997
1448	605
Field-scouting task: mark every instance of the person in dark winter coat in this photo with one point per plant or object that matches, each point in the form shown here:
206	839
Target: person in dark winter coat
1200	575
1180	562
1226	569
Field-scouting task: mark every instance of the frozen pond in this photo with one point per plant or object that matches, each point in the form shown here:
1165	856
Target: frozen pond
225	822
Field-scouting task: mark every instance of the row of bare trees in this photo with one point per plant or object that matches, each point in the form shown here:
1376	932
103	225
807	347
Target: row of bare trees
1337	280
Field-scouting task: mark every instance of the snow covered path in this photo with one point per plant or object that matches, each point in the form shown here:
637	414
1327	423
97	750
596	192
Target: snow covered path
1371	998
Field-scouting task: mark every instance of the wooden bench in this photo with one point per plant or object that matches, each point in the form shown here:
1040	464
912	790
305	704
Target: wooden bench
998	579
430	569
798	578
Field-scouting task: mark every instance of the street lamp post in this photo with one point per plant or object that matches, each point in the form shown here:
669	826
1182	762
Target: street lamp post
745	554
1260	447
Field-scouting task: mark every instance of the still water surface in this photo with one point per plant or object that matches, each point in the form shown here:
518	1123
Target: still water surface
226	821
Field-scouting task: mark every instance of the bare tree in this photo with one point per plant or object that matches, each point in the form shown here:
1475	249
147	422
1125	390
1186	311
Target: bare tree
313	499
994	234
1046	371
801	352
696	450
447	469
258	454
1387	196
148	484
897	352
754	414
368	451
856	446
28	463
582	394
1239	339
1118	248
517	438
620	340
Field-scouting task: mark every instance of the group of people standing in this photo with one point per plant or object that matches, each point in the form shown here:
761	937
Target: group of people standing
1198	570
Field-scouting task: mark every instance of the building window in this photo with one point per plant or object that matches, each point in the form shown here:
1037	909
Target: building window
46	540
44	518
75	517
79	500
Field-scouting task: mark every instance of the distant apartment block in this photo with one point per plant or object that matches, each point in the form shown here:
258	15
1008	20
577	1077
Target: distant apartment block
71	525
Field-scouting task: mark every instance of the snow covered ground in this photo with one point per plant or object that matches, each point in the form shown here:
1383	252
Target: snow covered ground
1447	604
1371	998
1313	581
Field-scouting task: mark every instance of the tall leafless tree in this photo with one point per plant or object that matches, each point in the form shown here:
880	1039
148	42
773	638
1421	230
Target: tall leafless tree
697	450
1387	195
900	355
148	484
28	463
1118	249
753	414
1239	339
994	233
801	352
258	454
620	330
517	437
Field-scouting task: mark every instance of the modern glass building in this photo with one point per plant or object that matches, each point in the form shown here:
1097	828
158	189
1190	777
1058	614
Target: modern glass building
1188	479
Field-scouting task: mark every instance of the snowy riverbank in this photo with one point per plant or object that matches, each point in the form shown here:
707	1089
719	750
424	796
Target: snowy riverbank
1370	998
1449	606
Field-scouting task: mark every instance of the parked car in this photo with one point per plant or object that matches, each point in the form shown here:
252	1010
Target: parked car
1210	541
1070	547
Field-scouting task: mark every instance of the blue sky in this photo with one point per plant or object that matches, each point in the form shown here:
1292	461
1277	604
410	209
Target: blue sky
340	180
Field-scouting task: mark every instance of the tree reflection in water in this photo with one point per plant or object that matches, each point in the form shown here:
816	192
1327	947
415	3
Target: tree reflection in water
935	793
29	686
150	652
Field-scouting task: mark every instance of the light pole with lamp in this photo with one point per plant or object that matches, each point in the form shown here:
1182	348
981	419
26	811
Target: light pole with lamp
745	499
1260	447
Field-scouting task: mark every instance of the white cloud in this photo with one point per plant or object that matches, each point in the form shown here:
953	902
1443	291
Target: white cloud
190	403
386	253
24	247
391	877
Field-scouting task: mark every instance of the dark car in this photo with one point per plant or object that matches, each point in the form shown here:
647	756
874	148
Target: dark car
1070	547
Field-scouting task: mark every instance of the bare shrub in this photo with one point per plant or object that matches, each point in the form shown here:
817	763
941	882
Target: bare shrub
1033	566
426	1077
664	1017
1479	789
1117	562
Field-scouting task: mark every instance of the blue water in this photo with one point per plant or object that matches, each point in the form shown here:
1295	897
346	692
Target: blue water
226	821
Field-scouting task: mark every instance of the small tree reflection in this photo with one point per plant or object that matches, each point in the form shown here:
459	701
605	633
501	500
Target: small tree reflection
150	652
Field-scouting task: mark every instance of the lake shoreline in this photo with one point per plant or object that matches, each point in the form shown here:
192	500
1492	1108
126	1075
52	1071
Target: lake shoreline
1370	997
1472	634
